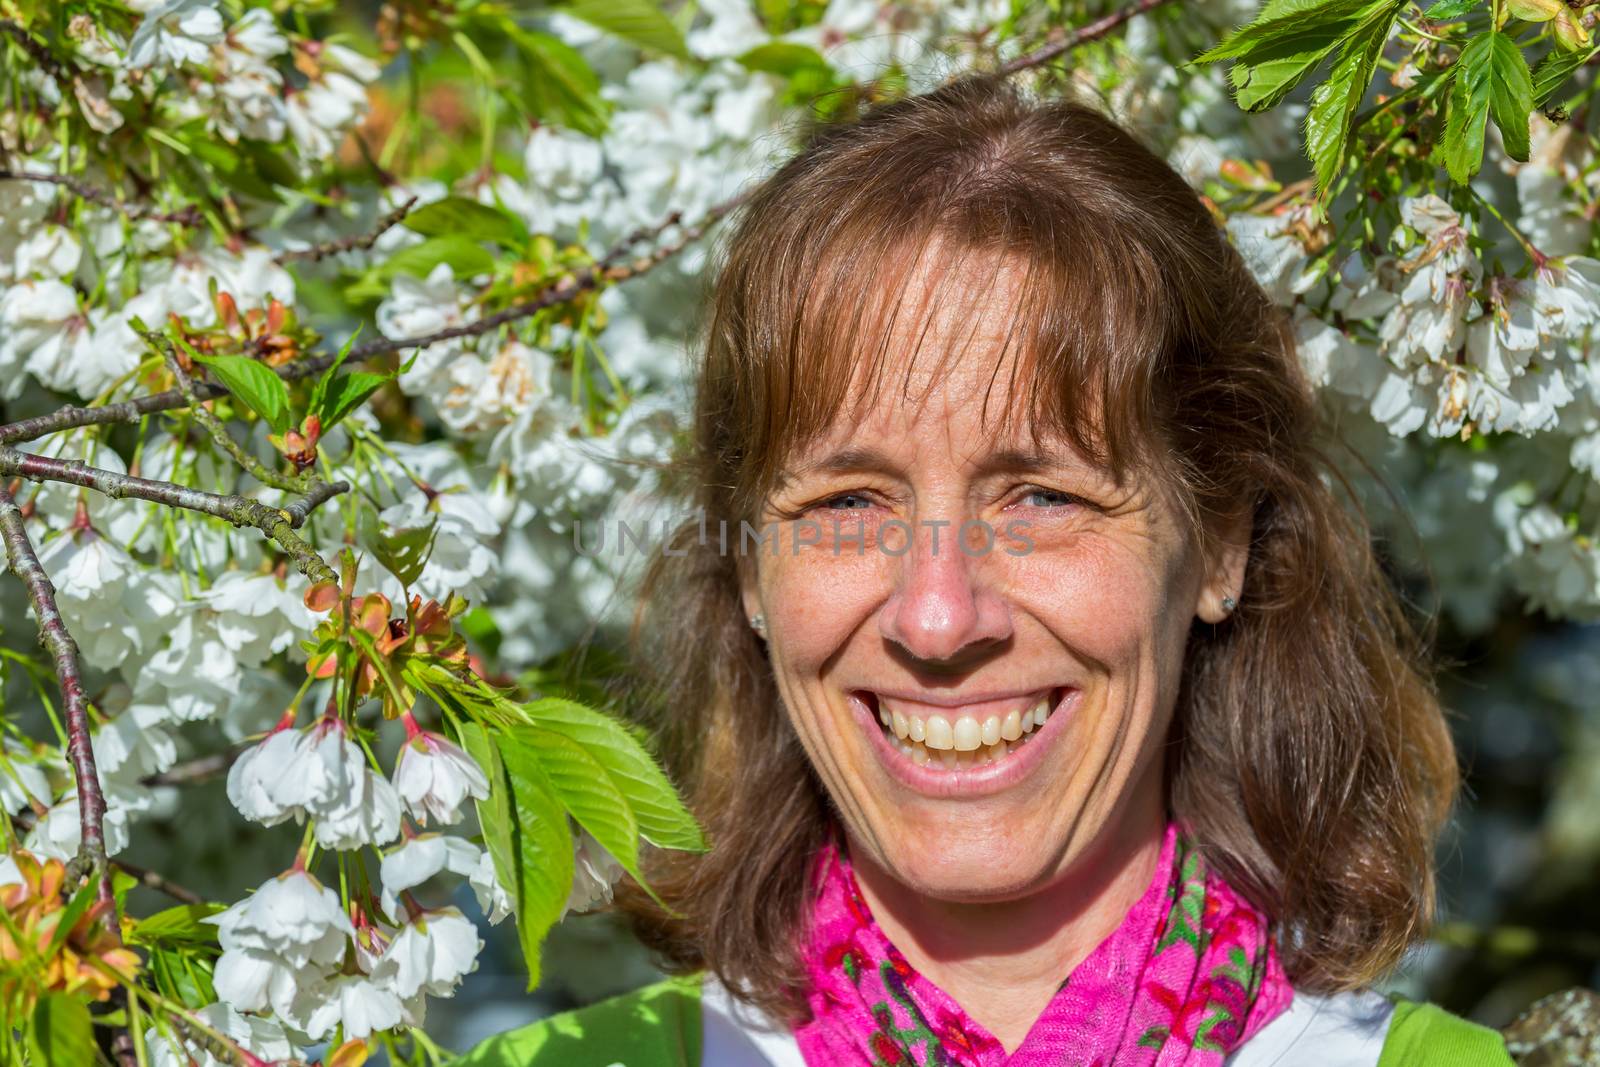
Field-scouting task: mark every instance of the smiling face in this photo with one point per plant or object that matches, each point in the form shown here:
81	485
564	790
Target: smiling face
983	713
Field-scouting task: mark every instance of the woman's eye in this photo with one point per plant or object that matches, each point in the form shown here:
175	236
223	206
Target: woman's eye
846	502
1048	498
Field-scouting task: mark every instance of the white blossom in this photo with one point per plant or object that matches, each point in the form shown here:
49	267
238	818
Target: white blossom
435	777
432	952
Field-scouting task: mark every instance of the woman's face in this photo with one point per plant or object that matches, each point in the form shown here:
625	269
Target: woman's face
1027	688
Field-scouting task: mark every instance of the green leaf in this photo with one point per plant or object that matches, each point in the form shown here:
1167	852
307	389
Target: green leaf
181	924
1551	72
468	218
783	58
638	22
61	1031
1334	103
1510	94
1261	85
1462	147
1286	23
525	830
465	256
660	814
587	790
405	552
320	390
346	393
255	384
1451	9
80	902
558	85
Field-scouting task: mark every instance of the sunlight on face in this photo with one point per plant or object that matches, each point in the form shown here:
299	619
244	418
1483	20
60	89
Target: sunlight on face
981	718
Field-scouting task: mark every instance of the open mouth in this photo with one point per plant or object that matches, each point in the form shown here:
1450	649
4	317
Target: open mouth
954	738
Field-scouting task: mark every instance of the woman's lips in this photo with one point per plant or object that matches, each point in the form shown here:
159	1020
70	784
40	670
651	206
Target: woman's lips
967	749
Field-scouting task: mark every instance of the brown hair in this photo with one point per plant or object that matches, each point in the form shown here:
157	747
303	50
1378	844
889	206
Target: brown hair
1310	757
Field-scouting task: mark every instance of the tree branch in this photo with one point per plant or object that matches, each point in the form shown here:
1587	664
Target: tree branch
160	883
319	494
55	637
1082	35
361	241
196	770
188	216
592	277
278	524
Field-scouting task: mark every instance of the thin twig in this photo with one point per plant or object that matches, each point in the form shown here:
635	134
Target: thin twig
188	216
1082	35
361	241
159	882
276	523
196	770
37	51
219	433
54	635
69	418
319	494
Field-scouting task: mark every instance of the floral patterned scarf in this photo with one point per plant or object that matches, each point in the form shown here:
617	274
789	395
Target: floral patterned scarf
1190	974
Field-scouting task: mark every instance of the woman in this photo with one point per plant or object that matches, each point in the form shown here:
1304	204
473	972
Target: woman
1041	701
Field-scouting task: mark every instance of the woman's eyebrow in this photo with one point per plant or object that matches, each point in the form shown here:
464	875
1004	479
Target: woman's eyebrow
1022	461
848	459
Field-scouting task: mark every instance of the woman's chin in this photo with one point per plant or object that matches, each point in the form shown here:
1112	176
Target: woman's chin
969	867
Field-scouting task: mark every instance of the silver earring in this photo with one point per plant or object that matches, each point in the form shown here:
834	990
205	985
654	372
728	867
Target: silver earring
1228	604
758	623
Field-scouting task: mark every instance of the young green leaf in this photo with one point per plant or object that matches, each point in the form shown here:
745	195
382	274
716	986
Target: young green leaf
587	789
1285	24
639	22
558	85
1551	72
1510	94
1334	103
320	390
1445	10
1462	147
525	830
181	924
346	393
60	1031
783	58
465	256
255	384
661	816
468	218
1263	82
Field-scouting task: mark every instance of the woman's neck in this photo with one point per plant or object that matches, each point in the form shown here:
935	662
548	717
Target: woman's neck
1002	962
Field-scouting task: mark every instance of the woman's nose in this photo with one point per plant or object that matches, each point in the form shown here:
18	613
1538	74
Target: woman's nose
941	607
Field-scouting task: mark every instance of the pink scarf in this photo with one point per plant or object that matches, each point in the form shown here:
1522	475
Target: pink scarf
1189	975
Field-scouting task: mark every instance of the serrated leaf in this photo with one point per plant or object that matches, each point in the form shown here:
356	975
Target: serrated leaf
1551	72
1262	85
465	256
1334	103
525	831
656	807
784	58
180	924
256	385
1281	25
403	553
320	390
638	22
1510	94
346	393
586	787
467	218
558	85
1445	10
60	1031
1462	147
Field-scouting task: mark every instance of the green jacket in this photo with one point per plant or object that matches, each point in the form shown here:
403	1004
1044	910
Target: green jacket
662	1026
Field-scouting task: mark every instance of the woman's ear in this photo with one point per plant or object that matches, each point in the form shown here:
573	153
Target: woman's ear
1223	587
749	591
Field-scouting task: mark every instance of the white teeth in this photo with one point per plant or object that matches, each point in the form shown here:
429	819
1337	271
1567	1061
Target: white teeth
967	733
964	743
